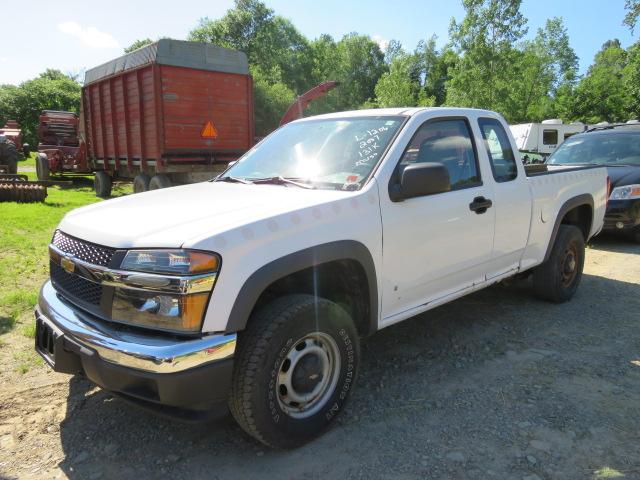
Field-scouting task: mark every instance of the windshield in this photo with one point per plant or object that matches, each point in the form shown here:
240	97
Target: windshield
328	153
600	149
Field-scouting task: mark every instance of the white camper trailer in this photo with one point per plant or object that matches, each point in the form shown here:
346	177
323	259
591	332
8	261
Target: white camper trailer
543	138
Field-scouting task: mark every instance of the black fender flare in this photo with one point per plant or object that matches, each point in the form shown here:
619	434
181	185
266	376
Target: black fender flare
295	262
583	199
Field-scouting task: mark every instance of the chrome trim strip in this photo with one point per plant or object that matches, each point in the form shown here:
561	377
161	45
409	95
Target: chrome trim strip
147	352
134	280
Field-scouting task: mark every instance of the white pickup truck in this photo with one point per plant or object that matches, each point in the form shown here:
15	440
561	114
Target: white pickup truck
253	290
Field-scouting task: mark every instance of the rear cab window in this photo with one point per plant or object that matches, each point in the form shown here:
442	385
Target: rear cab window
499	151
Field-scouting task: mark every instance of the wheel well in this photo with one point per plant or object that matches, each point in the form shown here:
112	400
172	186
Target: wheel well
341	281
581	217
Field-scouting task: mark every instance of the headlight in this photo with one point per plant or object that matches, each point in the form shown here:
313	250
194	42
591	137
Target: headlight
174	262
174	293
625	193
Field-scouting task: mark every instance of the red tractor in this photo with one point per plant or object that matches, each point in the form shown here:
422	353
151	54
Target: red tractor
60	149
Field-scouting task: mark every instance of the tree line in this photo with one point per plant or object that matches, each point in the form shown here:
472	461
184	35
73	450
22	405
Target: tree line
487	63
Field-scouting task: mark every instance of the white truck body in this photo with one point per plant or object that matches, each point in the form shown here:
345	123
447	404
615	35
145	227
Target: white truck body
304	271
454	251
543	138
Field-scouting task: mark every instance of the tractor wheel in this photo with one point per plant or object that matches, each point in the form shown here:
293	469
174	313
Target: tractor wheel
42	167
9	156
141	183
102	184
159	181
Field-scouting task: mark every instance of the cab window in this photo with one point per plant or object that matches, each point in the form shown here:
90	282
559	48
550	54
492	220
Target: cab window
447	142
499	151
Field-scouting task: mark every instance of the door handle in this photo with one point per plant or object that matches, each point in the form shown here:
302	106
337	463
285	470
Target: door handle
480	205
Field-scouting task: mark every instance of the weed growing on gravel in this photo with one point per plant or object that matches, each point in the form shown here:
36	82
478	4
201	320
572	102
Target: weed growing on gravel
26	360
29	330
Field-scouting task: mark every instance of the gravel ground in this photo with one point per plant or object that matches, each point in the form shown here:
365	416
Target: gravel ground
495	385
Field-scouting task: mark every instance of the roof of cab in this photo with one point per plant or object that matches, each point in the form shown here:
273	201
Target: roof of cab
402	111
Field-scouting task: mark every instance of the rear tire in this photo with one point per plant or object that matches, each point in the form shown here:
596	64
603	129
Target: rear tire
102	184
295	367
557	279
159	181
141	183
10	157
42	167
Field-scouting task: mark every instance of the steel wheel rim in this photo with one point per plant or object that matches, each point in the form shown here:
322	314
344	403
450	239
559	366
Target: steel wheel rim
569	266
308	375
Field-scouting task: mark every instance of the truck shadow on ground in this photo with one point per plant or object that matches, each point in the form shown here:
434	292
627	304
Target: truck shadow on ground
616	244
463	391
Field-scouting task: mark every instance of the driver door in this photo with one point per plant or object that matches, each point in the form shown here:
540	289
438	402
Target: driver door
436	246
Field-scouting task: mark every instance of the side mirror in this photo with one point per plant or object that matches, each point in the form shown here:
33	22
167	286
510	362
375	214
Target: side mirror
420	179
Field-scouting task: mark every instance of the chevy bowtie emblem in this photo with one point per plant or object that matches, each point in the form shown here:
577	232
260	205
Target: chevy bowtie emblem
67	264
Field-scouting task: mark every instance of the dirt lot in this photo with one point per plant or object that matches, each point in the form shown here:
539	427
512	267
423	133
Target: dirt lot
495	385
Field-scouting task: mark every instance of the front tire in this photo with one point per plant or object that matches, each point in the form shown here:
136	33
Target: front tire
557	279
295	367
42	167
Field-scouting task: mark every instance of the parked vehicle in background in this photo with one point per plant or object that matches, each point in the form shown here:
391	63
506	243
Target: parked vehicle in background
59	148
542	139
253	290
616	147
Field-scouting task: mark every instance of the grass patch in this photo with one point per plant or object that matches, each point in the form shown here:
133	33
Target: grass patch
29	330
608	472
26	360
29	162
26	231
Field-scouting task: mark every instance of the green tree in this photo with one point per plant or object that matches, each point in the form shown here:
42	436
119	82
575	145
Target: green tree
51	90
485	41
633	12
435	67
603	93
138	44
546	67
397	88
270	42
356	62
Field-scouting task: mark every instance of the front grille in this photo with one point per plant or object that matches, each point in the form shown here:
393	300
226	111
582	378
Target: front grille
75	287
86	251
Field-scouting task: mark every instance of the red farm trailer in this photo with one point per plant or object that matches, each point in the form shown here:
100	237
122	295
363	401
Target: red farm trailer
60	150
169	113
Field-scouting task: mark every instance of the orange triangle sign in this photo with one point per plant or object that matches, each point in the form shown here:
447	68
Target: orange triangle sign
209	130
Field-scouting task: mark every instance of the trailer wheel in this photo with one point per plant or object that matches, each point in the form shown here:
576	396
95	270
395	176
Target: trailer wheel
102	184
295	366
42	167
557	279
141	183
159	181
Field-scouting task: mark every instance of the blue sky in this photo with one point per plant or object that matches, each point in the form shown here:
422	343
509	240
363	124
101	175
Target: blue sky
72	35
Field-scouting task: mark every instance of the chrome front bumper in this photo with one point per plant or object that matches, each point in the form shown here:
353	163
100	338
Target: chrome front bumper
125	348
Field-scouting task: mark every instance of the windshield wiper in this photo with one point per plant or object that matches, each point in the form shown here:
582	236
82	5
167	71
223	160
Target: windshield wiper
282	181
227	178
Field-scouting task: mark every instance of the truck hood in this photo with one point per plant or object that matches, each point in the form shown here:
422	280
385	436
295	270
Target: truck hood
171	217
621	176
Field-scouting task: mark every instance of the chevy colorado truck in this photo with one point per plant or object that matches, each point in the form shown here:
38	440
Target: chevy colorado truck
252	290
